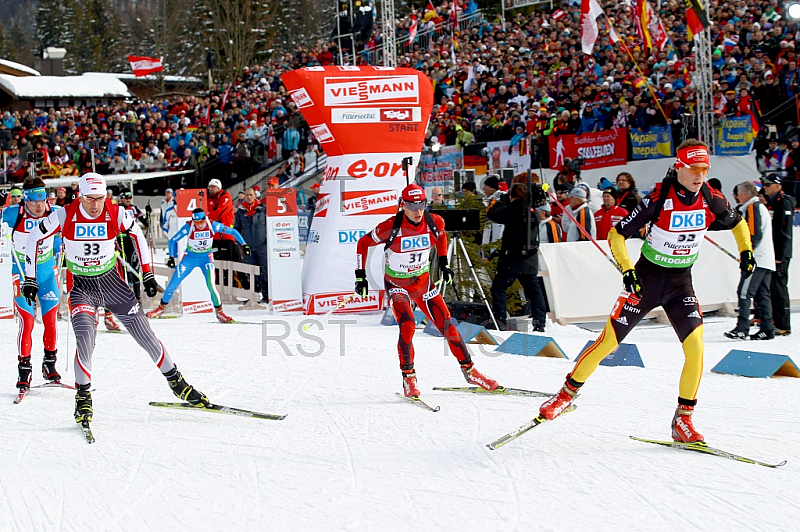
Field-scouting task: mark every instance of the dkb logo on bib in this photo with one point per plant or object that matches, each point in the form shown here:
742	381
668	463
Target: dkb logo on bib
414	243
85	231
687	221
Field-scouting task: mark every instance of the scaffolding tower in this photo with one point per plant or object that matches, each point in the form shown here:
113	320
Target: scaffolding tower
389	36
703	81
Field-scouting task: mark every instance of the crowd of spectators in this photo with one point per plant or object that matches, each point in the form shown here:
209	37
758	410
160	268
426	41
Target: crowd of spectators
522	78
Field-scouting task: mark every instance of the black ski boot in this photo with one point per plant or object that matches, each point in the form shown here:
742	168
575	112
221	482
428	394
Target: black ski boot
83	404
49	366
185	391
24	366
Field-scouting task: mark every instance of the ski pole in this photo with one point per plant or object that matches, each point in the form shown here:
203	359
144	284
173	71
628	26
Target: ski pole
334	309
546	188
725	251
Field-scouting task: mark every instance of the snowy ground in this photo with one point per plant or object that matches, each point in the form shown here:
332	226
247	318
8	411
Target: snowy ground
350	456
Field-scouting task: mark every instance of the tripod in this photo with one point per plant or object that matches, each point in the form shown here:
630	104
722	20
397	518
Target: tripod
454	245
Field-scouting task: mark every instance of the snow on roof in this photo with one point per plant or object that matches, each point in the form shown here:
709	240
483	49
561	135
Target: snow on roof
86	86
17	66
168	79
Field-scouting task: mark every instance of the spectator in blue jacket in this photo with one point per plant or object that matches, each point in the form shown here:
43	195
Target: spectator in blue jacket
225	150
290	142
588	121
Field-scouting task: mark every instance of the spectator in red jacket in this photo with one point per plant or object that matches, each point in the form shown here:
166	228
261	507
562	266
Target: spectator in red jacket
220	209
609	214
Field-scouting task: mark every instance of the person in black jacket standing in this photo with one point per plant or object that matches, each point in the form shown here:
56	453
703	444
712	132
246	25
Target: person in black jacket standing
518	252
251	222
782	206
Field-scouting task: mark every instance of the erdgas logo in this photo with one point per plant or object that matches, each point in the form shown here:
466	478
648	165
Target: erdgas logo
372	89
415	243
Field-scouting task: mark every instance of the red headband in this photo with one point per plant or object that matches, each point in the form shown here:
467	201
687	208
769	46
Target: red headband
692	155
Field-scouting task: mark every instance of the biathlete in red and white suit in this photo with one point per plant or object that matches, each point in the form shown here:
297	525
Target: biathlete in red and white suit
678	212
410	235
94	279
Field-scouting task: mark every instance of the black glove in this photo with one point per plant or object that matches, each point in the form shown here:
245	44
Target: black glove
246	249
362	285
171	262
150	284
747	263
631	281
445	271
29	289
147	208
780	268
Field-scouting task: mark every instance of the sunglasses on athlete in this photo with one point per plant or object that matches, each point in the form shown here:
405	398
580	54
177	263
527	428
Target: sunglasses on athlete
415	205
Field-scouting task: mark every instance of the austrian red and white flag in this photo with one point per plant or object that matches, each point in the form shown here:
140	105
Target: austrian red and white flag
590	10
412	31
143	66
558	15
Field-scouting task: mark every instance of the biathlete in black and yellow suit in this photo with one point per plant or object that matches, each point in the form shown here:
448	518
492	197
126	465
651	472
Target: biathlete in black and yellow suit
678	212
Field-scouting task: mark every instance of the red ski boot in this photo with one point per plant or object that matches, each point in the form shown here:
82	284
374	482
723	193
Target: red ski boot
553	407
410	384
682	428
157	312
111	323
474	376
221	316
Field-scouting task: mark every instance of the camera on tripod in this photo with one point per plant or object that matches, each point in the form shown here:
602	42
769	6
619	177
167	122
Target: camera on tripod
574	165
35	157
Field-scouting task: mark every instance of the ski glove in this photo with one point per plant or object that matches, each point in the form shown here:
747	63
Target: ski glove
29	289
362	285
631	281
747	263
246	250
780	268
171	262
444	270
150	284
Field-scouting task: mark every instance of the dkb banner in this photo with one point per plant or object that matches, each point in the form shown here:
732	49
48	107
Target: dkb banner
652	143
367	119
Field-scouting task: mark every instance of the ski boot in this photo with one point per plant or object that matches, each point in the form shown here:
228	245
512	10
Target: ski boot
221	316
24	366
157	312
736	335
83	404
185	391
111	323
410	383
49	366
473	376
682	428
553	407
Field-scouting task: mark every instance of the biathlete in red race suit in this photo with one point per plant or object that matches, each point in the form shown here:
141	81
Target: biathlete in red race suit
407	279
89	227
678	212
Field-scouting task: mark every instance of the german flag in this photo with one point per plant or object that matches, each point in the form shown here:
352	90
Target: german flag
696	20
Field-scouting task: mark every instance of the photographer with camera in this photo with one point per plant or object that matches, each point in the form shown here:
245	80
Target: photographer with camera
519	250
572	168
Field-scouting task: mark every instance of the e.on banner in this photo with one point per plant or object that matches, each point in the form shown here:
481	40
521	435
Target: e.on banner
367	119
605	148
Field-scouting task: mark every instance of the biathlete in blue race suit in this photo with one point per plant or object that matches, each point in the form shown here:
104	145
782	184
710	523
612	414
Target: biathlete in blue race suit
198	254
22	218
